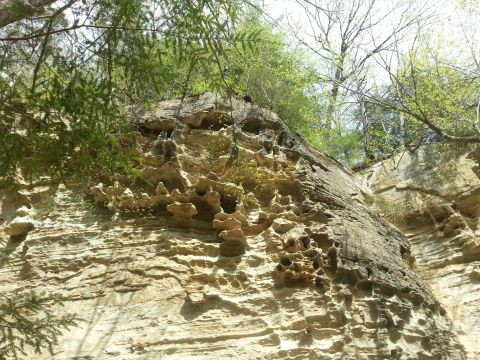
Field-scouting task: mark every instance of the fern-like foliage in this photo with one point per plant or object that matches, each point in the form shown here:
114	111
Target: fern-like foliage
27	321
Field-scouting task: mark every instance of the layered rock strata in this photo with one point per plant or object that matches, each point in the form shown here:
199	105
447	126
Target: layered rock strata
237	241
433	196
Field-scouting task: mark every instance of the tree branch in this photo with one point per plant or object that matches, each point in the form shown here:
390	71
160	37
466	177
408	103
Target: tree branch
14	10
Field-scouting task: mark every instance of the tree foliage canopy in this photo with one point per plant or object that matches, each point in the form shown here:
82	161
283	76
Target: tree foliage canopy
68	76
69	71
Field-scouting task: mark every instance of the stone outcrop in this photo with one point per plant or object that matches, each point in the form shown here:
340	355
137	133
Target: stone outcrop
433	196
21	225
238	241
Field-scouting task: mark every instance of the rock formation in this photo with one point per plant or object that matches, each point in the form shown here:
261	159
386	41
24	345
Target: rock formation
433	196
238	241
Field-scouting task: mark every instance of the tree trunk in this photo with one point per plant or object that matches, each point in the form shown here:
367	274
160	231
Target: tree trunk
402	131
331	121
366	133
332	104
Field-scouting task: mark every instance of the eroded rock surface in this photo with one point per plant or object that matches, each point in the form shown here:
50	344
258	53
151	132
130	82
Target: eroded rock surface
238	242
433	196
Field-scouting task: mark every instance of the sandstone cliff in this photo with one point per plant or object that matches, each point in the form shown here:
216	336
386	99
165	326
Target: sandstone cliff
239	241
433	196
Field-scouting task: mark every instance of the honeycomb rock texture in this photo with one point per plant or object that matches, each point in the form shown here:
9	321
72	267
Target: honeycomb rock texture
237	241
435	193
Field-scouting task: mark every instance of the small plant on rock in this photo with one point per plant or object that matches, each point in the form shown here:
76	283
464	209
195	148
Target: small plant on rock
217	148
245	173
391	211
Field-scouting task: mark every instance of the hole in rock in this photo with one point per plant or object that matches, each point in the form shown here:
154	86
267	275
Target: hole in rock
302	209
148	132
252	125
322	241
405	314
350	279
384	268
292	156
425	342
387	291
292	188
167	156
200	192
394	337
305	241
332	257
357	332
365	286
394	353
286	261
214	121
205	212
458	226
417	299
316	264
286	140
161	210
228	204
405	290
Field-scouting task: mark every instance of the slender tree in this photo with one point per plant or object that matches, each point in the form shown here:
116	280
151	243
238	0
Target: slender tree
346	35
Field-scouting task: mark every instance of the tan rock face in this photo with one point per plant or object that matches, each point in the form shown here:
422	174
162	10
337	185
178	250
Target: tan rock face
433	196
240	242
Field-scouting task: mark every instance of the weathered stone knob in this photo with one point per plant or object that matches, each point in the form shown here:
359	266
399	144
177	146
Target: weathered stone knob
281	226
182	212
161	189
234	242
21	225
227	224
